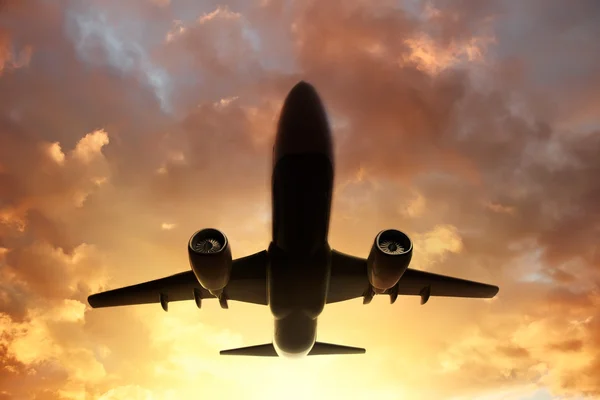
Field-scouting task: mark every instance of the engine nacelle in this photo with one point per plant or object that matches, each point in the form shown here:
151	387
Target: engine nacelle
389	258
210	259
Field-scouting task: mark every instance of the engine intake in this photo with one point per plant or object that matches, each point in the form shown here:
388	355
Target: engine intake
389	258
210	259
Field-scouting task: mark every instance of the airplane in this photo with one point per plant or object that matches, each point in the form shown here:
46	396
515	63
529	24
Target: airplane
299	273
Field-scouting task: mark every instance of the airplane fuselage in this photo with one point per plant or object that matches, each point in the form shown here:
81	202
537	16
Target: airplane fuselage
299	254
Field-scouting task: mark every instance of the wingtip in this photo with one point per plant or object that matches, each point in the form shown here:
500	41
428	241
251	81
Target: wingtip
93	300
494	291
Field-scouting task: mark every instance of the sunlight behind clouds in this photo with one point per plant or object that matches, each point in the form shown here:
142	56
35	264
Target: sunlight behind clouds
90	146
56	153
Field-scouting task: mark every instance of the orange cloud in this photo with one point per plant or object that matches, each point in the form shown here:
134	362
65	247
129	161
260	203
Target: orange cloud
9	58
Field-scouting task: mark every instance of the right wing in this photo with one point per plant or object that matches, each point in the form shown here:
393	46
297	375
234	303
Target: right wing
349	280
248	283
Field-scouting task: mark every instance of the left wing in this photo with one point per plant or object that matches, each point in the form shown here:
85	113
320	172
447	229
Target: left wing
349	280
247	284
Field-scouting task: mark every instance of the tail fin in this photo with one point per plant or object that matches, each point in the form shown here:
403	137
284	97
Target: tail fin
267	350
261	350
322	349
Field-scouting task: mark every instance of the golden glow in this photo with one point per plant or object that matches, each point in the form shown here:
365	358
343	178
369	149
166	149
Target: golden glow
56	153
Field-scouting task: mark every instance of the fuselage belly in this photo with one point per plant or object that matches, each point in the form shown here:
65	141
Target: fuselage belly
299	254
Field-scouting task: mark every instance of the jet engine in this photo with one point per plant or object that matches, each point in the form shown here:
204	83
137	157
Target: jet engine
388	259
210	259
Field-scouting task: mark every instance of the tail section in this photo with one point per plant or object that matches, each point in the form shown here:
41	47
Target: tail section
267	350
261	350
322	349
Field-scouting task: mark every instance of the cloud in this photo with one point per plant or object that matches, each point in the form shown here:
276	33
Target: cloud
37	348
90	146
10	58
433	245
128	392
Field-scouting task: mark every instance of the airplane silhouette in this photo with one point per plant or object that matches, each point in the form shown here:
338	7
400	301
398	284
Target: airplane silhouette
299	273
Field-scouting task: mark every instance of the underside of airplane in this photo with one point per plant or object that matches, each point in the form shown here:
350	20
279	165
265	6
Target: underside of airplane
299	273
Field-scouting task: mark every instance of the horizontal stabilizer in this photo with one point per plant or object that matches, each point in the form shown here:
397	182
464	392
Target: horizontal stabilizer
261	350
322	349
267	350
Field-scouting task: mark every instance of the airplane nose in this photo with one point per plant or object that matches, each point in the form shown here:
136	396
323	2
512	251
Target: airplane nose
303	125
302	92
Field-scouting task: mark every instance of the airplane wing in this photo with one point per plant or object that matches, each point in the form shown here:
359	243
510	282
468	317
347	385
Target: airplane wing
349	280
248	283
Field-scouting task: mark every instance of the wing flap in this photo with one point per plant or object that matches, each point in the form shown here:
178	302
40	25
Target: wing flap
348	277
248	281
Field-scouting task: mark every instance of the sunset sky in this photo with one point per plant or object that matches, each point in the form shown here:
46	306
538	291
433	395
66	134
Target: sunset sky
473	126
